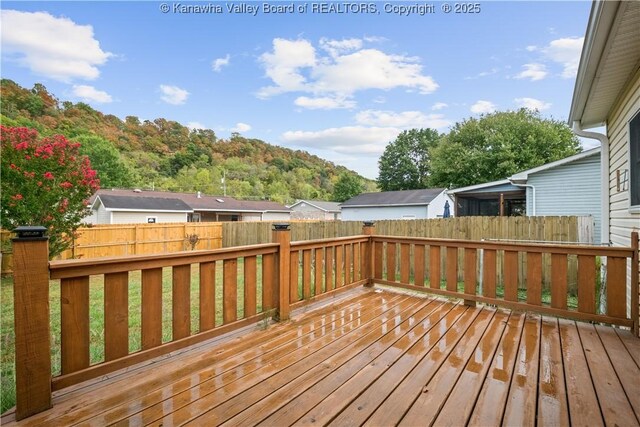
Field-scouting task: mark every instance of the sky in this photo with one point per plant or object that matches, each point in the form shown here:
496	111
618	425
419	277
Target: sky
339	80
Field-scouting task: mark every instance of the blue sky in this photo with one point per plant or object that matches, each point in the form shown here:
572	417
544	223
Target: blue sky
339	85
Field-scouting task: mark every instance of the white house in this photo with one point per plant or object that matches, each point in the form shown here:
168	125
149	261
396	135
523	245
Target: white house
607	93
119	209
407	204
315	209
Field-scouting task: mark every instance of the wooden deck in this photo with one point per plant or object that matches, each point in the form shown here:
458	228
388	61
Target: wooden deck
378	358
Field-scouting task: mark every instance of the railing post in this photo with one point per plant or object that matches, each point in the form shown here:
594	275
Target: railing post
635	315
368	229
282	235
31	316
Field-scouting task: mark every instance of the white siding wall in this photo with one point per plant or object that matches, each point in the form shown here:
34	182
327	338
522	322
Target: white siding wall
100	216
276	216
569	189
251	217
305	211
622	221
382	212
436	207
141	217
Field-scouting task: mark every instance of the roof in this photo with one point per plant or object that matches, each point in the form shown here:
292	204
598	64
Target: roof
394	198
202	202
113	202
610	57
333	207
487	185
522	176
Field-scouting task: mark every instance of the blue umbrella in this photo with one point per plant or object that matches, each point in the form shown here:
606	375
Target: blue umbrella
447	211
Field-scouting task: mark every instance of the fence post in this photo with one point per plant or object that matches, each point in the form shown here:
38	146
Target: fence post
368	229
31	316
635	316
282	235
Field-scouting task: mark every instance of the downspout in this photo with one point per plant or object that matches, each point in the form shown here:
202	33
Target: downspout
533	195
604	172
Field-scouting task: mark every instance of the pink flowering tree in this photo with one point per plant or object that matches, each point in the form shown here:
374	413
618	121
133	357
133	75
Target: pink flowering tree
45	181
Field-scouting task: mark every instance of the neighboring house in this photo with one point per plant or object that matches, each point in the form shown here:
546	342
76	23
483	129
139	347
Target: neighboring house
407	204
315	209
118	209
196	207
607	92
568	186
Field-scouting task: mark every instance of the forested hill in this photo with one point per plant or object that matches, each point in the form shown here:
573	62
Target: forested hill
167	155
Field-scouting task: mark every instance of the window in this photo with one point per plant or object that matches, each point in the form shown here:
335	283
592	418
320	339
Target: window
152	219
634	162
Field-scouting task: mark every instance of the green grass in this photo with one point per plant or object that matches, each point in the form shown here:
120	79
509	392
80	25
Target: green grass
96	316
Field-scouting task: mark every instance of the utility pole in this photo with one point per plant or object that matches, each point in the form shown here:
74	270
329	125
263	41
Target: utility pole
224	182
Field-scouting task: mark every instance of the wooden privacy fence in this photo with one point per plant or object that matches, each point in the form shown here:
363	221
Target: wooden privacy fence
259	281
130	239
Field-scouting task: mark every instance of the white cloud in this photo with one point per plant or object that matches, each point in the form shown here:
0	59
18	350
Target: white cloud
439	106
379	100
532	104
566	52
405	119
173	95
217	64
57	48
483	107
195	125
533	71
241	127
483	74
91	94
360	140
296	66
324	103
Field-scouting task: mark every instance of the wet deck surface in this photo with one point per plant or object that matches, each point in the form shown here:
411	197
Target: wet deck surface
379	358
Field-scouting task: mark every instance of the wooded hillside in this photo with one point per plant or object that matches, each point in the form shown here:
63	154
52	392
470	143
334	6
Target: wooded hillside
167	155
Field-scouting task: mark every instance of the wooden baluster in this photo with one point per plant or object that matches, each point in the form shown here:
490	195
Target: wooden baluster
230	290
418	265
294	265
489	273
181	301
318	270
368	253
339	266
208	295
635	283
586	283
32	320
617	287
534	278
357	257
250	286
405	263
116	315
268	282
511	276
470	274
434	267
329	283
391	261
151	308
559	281
452	269
377	261
282	235
74	294
348	266
306	274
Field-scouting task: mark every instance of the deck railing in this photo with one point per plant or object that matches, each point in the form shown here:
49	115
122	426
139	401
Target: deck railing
273	278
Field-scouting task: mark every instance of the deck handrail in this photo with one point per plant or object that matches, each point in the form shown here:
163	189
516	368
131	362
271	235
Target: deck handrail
290	274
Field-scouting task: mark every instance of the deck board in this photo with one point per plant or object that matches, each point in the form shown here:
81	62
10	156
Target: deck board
375	357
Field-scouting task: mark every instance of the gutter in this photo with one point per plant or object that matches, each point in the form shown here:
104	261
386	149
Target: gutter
604	172
533	195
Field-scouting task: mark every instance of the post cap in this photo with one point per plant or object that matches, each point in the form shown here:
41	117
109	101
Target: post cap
30	232
280	227
368	223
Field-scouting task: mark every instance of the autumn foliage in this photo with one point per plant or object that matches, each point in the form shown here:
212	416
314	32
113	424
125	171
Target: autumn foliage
45	181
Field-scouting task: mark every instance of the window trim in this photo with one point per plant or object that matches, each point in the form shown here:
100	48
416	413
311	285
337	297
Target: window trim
633	208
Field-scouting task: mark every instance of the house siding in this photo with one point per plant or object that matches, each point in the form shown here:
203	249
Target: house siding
622	220
569	189
376	213
306	211
141	217
436	207
276	216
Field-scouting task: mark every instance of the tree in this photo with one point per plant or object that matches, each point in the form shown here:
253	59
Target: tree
498	145
348	186
405	163
112	170
44	182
